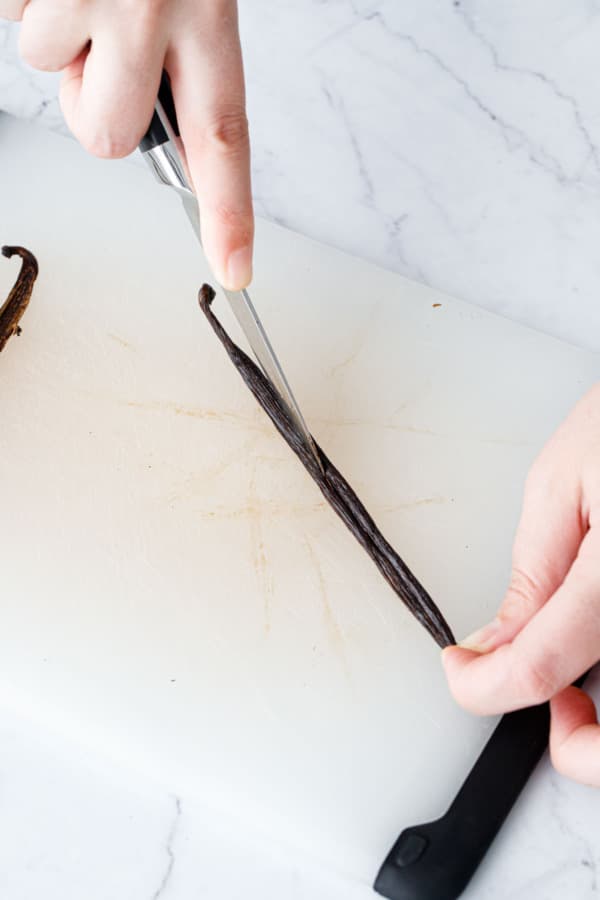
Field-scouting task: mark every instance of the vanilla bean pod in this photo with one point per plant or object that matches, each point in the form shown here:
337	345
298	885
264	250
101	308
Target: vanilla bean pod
334	487
16	303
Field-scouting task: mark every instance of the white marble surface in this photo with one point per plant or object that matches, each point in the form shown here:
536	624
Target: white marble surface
457	143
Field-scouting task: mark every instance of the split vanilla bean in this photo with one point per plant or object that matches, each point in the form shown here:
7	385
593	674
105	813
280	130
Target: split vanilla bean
334	487
16	303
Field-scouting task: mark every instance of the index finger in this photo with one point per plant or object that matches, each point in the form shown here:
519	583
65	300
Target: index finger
208	88
558	644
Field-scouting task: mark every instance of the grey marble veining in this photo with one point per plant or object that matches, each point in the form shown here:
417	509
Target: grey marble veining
75	825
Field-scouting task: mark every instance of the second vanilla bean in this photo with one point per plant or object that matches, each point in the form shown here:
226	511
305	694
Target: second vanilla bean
17	301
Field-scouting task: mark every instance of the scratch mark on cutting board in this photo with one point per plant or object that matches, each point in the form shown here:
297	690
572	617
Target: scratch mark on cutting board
336	635
261	423
413	504
425	715
120	340
378	611
265	577
360	338
345	361
196	482
386	425
254	512
390	425
262	507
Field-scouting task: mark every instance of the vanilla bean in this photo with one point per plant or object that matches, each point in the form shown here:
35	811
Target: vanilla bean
334	487
16	303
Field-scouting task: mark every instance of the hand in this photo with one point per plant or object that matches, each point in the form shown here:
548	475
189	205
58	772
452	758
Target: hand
113	52
547	630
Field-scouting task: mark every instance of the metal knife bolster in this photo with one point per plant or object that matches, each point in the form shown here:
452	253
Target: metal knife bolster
161	146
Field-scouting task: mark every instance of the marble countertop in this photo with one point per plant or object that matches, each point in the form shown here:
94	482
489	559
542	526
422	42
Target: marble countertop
459	144
75	826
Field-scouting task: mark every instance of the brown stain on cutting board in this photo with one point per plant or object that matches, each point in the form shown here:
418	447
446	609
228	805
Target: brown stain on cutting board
334	631
263	426
275	509
221	417
264	576
264	508
252	505
196	482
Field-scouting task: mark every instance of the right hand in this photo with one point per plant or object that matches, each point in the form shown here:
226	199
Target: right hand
547	630
113	52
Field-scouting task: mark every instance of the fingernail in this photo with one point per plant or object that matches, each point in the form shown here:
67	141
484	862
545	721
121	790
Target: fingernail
482	639
239	268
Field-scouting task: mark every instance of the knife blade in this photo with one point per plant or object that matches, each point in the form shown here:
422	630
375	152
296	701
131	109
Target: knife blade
163	151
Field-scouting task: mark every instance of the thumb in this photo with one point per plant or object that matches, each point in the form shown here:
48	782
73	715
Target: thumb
548	536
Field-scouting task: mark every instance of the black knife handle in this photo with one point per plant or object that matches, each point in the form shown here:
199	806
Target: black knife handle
436	861
156	134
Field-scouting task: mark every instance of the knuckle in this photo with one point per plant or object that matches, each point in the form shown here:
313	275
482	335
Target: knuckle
235	219
559	756
228	132
521	593
535	679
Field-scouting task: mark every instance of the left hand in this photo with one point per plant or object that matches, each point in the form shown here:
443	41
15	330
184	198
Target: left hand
547	630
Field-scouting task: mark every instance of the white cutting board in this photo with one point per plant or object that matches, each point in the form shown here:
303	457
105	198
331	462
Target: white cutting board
174	589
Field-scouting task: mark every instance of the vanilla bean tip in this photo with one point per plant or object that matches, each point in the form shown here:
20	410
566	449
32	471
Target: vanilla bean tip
26	255
206	295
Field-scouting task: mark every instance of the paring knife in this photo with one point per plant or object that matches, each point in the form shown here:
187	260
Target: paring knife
163	150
